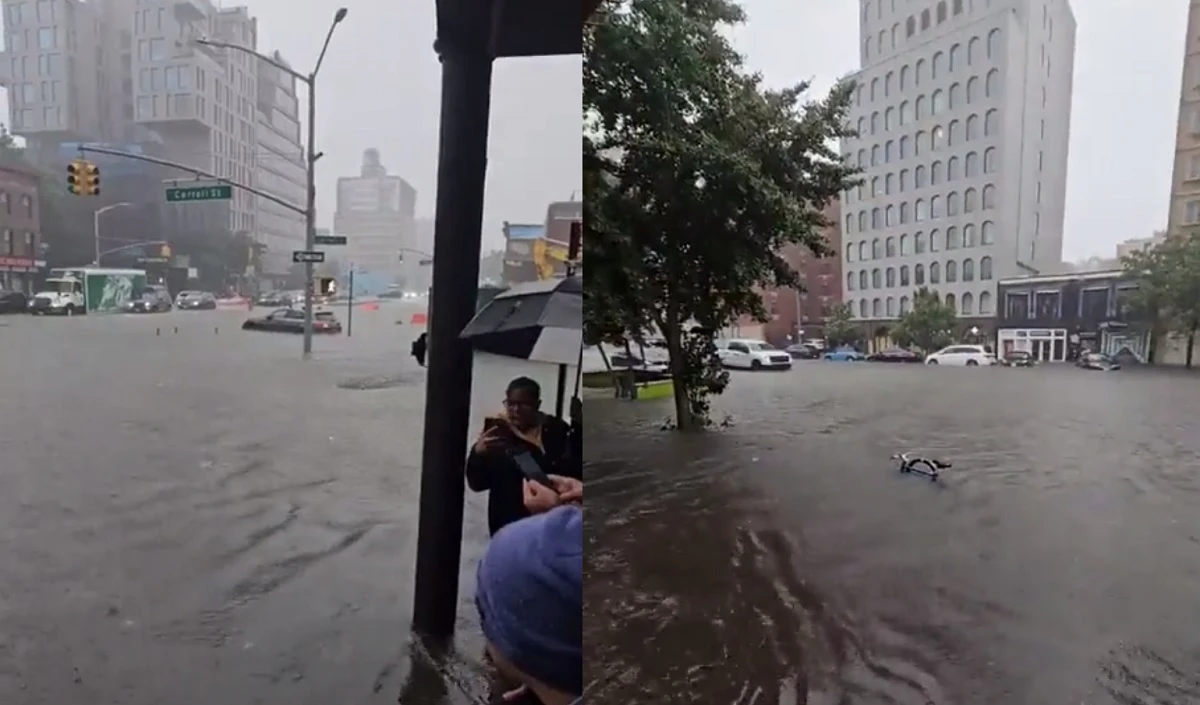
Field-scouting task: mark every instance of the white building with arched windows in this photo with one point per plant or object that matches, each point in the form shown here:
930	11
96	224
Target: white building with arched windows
963	112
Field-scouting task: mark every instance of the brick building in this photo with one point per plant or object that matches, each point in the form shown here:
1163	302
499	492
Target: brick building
795	311
20	229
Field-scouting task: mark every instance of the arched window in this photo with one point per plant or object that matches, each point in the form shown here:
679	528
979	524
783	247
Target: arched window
958	7
920	143
889	119
876	249
850	252
904	147
891	306
973	49
888	80
904	275
874	187
890	279
951	272
941	12
985	269
891	246
879	45
904	212
989	160
972	90
862	251
935	207
877	308
876	220
849	229
922	210
903	180
877	278
935	273
862	127
874	89
863	282
895	35
952	238
953	169
849	281
967	303
920	71
935	240
991	86
919	243
991	122
904	78
910	26
985	303
889	183
968	235
988	233
903	305
924	20
955	57
937	173
938	102
968	273
874	123
970	201
989	197
952	204
993	44
950	302
972	128
955	96
889	217
862	158
920	181
862	308
920	111
972	164
889	151
939	65
919	274
905	113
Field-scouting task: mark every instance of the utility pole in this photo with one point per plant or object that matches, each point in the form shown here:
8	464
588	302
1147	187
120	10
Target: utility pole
96	225
310	210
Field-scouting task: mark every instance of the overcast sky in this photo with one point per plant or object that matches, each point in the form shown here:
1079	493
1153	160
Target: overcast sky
1128	64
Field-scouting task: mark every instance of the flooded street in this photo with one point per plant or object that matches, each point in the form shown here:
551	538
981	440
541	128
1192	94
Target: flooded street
190	513
785	560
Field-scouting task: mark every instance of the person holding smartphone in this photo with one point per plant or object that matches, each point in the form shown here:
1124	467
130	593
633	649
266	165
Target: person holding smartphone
518	445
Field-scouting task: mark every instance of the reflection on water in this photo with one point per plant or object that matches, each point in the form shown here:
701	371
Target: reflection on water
784	560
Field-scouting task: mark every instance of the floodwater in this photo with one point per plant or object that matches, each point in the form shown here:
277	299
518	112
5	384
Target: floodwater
191	513
784	560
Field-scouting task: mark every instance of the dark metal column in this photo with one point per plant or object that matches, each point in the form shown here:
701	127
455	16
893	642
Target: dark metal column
462	165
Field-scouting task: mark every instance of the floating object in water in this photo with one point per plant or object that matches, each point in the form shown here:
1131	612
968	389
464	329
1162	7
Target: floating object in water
920	464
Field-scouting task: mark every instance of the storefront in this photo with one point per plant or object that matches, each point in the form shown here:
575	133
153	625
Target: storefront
19	274
1044	344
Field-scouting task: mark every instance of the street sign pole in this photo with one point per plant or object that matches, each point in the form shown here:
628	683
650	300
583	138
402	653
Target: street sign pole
350	305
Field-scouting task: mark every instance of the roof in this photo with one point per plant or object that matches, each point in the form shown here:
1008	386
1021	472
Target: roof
1063	278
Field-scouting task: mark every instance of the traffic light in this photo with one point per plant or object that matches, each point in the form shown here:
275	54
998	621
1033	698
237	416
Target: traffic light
91	179
75	176
327	286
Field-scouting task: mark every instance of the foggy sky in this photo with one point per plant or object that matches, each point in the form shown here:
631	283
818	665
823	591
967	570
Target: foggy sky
1128	67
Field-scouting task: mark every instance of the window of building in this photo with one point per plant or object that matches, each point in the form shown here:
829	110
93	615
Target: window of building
903	78
989	160
877	308
875	220
910	27
985	303
953	169
876	249
939	65
920	177
850	252
973	49
972	164
889	151
920	146
985	269
988	234
958	7
954	99
942	13
935	207
904	275
935	240
989	198
862	308
904	245
903	180
889	184
935	273
863	282
991	87
874	89
972	90
887	84
924	20
937	138
905	113
955	57
919	275
968	271
993	44
877	278
903	305
850	281
889	119
920	71
904	213
936	173
951	273
938	103
972	127
991	122
862	251
952	242
874	123
968	235
922	210
874	157
889	217
862	221
919	243
904	147
891	247
967	303
970	200
890	278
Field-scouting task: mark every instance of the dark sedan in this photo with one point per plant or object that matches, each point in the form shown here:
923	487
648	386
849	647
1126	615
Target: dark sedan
803	351
290	320
1018	358
13	302
896	355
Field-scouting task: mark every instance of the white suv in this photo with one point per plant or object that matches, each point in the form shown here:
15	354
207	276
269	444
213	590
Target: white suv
962	355
753	355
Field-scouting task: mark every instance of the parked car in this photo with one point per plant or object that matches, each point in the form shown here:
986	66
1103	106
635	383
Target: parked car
962	355
752	355
895	355
291	320
195	301
845	354
153	299
13	302
1097	361
273	299
1018	358
803	351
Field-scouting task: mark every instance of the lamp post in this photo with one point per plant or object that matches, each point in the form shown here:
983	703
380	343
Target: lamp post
310	214
96	225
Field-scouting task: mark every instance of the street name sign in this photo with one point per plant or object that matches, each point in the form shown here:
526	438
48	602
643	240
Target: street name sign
331	239
207	192
301	256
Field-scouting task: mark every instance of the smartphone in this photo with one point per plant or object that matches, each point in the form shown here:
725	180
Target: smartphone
531	470
492	422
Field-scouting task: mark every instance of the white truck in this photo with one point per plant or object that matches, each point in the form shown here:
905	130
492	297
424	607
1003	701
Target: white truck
79	290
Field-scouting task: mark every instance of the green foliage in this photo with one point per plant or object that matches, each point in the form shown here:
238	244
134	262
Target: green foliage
928	326
695	177
1168	291
840	328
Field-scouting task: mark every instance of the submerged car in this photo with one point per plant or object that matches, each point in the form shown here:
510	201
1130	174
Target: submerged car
153	299
13	302
195	301
803	351
290	320
895	355
962	355
1018	358
845	354
1097	361
752	355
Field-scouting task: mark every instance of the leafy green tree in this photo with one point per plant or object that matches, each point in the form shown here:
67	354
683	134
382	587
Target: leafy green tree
839	326
1168	292
695	177
929	325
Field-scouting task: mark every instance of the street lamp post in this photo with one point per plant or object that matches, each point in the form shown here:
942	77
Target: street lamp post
96	224
310	214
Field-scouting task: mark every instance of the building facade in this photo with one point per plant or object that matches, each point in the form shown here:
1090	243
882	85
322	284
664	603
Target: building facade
962	110
20	230
1185	179
1053	317
376	211
279	168
799	314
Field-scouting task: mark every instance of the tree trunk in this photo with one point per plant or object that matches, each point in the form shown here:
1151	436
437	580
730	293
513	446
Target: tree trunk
672	334
1191	342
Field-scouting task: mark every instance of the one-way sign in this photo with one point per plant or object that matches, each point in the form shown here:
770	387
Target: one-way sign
300	256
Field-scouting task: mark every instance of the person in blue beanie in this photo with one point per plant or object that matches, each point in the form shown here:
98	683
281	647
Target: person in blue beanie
529	593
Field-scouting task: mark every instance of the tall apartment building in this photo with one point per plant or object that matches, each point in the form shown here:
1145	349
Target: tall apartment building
279	167
1185	181
376	212
962	109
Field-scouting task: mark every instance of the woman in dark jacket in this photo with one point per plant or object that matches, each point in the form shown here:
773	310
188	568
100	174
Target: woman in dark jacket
522	428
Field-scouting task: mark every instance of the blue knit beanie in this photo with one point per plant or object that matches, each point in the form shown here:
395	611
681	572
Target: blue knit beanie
529	594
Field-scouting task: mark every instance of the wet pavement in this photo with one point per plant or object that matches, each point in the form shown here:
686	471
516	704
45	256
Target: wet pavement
784	560
190	513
